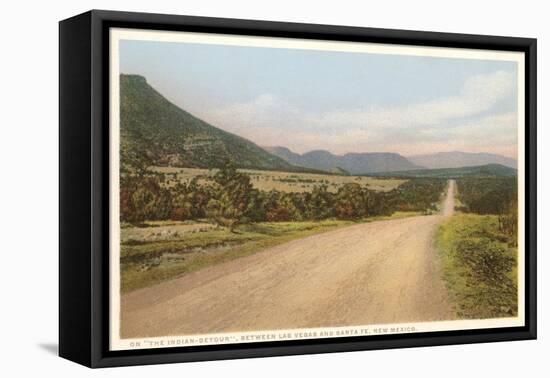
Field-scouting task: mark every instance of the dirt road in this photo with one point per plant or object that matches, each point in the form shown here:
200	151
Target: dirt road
372	273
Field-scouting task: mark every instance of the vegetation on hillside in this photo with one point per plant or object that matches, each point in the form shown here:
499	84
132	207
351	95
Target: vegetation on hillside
156	132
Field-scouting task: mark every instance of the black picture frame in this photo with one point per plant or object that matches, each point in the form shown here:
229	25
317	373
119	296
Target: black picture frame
84	187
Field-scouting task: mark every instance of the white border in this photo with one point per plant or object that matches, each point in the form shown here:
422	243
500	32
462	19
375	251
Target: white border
117	34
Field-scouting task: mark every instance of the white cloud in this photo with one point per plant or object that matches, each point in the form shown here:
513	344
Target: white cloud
269	120
263	112
493	133
479	93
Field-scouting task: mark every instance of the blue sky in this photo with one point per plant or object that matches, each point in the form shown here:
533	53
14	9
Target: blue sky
338	101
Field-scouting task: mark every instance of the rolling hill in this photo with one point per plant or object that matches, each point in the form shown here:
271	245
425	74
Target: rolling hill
458	159
154	131
488	170
354	163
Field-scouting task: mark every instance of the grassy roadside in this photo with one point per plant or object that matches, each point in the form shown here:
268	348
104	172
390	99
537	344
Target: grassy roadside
171	251
479	266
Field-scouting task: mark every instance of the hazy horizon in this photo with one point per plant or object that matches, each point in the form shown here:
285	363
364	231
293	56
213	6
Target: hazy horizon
374	152
341	102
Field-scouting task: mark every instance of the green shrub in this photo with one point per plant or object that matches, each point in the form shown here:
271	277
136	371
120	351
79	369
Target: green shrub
486	259
479	266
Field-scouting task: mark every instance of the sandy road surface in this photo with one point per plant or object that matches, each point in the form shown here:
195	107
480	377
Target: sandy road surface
373	273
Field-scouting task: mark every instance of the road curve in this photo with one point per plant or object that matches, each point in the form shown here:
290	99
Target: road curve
371	273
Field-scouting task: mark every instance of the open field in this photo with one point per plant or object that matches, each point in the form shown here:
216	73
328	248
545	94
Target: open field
165	250
479	266
282	181
485	171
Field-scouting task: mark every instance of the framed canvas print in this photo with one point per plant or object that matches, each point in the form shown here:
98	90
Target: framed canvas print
233	188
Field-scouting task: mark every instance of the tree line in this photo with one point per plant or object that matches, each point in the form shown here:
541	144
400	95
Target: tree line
492	195
230	199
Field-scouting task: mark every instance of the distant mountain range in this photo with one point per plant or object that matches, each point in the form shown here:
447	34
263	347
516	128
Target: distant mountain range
156	132
457	159
362	163
353	163
487	170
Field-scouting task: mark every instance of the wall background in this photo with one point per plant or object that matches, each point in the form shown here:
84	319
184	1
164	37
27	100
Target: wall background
29	189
